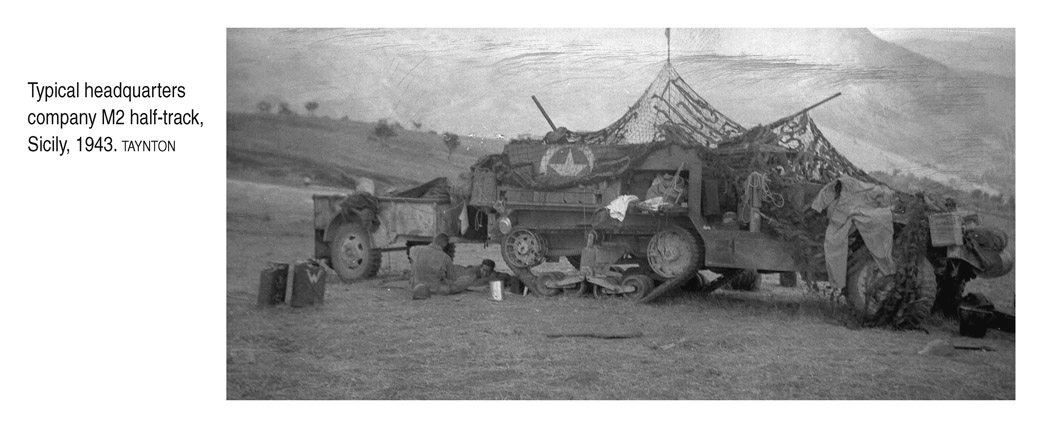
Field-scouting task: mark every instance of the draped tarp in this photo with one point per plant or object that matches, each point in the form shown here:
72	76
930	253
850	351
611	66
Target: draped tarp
548	167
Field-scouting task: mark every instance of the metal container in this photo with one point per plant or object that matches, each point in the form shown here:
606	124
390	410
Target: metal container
496	290
272	289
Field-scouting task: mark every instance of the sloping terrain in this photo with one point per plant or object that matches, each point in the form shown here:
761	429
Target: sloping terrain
287	149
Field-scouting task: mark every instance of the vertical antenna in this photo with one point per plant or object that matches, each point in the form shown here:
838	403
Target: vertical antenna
668	34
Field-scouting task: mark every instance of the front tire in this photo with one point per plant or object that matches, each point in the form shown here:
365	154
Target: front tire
352	254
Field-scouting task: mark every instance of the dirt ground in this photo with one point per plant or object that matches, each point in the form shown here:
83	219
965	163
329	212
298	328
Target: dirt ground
368	341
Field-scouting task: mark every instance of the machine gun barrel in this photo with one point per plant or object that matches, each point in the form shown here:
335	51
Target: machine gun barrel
548	118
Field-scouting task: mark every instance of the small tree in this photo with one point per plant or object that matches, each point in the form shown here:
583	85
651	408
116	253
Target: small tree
284	109
311	107
264	107
383	131
452	141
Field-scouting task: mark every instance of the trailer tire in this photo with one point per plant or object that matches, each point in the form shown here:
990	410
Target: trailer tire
352	254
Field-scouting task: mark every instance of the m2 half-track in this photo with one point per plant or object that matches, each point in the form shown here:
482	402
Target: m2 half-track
652	251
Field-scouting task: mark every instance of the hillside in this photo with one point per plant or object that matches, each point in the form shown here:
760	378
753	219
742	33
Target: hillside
899	109
288	148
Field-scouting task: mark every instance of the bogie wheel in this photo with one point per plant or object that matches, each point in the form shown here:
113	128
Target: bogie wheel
867	287
642	285
523	249
545	285
673	251
696	284
581	289
352	254
750	280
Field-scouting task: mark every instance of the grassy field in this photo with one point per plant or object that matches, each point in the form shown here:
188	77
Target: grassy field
369	342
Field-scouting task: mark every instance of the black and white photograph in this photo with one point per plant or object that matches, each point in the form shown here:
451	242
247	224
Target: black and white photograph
620	213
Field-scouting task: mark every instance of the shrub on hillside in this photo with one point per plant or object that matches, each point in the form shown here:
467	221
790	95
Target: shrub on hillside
383	131
284	109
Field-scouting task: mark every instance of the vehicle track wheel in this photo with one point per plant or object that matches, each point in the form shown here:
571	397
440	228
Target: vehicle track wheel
642	285
580	289
523	249
545	284
673	251
696	284
352	254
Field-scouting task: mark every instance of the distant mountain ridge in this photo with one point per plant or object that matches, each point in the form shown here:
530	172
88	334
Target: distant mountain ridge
900	109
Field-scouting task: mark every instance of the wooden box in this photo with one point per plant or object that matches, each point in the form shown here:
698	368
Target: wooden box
946	229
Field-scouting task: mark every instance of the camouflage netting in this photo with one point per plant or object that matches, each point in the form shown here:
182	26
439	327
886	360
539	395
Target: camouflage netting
667	101
792	156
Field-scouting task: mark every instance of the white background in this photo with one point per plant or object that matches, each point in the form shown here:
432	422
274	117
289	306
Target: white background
114	294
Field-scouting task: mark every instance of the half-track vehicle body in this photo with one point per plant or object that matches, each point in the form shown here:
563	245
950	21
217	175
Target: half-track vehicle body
671	189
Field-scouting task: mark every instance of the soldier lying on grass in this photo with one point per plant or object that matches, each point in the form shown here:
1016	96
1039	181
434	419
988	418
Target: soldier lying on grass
435	273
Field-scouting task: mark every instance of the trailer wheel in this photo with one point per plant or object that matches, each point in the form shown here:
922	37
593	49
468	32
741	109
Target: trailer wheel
352	254
867	288
788	279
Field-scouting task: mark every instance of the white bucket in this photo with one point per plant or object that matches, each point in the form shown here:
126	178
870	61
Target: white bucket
496	290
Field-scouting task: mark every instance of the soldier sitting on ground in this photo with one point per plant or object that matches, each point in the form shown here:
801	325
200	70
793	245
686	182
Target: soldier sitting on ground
433	270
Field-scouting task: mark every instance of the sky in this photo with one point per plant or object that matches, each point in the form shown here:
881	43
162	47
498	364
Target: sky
454	79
